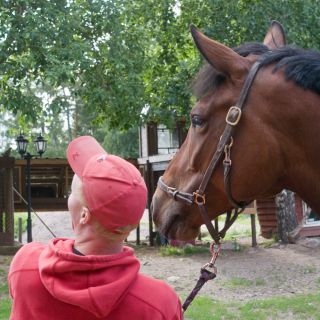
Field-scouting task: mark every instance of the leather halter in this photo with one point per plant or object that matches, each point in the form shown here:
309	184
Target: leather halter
224	146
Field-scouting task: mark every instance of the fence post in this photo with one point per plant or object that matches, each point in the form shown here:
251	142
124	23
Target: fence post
253	230
150	186
20	229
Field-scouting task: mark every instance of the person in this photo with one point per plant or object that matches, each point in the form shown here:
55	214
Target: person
93	276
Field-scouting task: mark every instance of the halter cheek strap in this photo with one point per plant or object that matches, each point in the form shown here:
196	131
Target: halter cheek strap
224	147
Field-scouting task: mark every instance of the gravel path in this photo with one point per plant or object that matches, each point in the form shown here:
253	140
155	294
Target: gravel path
59	223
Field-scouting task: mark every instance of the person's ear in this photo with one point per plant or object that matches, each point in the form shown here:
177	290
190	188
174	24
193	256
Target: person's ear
85	215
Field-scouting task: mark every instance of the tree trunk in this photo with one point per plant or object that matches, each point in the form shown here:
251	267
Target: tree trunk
286	215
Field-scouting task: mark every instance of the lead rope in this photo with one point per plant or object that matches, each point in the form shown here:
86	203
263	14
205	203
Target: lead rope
205	275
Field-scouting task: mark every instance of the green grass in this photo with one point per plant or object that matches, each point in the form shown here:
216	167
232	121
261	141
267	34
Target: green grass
240	229
5	308
268	243
309	269
236	233
5	301
188	250
3	272
298	307
303	307
243	282
4	288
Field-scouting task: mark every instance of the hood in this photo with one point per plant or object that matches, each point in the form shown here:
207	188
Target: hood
94	283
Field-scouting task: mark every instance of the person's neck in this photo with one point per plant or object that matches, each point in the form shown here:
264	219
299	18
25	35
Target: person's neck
97	246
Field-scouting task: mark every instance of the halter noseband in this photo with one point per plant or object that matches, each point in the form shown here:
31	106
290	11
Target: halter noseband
198	197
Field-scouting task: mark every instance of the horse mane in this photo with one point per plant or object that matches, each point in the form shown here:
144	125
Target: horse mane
301	66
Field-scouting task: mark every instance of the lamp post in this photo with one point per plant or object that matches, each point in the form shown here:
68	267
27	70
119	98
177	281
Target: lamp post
22	144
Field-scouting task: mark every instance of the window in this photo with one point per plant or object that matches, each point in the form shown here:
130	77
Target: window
311	218
168	140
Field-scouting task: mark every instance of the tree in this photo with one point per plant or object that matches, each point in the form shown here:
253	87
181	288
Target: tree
124	143
86	64
286	215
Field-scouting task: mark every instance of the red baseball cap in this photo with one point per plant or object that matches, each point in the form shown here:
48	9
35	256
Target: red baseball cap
113	188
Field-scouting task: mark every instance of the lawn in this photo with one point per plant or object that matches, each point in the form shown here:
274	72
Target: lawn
299	307
204	308
5	301
240	229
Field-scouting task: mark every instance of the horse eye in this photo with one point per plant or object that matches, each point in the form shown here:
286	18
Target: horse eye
196	121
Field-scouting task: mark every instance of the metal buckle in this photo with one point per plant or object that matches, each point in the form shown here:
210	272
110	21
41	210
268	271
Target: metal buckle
230	115
199	198
171	189
215	250
227	147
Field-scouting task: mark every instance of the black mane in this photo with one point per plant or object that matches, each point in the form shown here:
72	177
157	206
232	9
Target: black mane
300	66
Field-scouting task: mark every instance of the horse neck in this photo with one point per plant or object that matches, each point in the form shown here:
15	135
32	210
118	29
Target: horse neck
302	153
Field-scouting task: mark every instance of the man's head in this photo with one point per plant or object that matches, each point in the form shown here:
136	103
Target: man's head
113	189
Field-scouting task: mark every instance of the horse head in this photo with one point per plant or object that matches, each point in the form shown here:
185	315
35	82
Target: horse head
255	152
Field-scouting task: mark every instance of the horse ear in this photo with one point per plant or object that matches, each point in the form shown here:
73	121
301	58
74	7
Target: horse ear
222	59
275	36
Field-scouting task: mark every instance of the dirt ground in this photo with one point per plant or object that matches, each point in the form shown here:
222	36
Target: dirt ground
261	272
242	275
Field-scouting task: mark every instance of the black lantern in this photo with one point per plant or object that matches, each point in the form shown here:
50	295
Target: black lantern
22	144
41	144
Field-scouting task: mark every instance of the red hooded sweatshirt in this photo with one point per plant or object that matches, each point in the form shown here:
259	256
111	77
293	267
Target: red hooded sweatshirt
51	282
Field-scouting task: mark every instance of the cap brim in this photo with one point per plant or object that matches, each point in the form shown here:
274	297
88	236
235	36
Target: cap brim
80	150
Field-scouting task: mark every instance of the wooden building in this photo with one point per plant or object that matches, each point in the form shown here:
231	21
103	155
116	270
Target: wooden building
307	220
158	145
50	184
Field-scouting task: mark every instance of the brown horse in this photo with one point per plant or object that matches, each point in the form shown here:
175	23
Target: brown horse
273	136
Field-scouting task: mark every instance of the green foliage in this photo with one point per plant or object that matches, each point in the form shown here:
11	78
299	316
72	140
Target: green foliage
72	67
124	143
